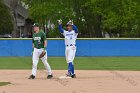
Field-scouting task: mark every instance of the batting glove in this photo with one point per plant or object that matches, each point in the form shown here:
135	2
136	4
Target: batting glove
59	22
71	22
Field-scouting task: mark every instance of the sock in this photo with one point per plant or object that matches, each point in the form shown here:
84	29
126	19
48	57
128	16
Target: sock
71	68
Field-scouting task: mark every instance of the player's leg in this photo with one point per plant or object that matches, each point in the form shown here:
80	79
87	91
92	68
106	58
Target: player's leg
47	66
71	56
35	59
69	67
66	53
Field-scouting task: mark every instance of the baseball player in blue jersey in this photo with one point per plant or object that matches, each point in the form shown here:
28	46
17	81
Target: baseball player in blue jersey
70	35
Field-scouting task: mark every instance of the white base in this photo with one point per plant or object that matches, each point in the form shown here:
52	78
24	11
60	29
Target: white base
64	77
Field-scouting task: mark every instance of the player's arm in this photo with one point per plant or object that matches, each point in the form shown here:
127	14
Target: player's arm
61	28
45	41
32	45
45	44
75	28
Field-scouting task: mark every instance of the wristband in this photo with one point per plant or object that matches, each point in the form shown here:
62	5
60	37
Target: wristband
32	49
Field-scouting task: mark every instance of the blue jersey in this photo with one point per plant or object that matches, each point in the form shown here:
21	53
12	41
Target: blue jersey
70	36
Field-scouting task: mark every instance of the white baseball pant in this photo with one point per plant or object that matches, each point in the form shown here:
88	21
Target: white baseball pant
70	53
35	59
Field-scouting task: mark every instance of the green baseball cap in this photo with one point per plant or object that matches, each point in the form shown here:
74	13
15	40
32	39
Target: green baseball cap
36	25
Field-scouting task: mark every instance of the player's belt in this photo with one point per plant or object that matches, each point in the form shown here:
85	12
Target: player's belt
38	48
70	45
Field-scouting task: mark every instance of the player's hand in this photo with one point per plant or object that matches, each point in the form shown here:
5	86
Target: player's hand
71	22
59	22
31	53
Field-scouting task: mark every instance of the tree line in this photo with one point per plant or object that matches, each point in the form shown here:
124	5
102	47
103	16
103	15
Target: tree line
6	23
94	18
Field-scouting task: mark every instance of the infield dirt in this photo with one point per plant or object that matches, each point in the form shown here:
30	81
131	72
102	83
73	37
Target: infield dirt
87	81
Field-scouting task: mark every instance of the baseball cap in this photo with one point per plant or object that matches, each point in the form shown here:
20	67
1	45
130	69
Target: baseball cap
36	25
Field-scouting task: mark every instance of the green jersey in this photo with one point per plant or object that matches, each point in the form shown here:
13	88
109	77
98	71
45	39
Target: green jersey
38	39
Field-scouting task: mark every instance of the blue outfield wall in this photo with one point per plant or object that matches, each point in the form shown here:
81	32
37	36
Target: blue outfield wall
85	47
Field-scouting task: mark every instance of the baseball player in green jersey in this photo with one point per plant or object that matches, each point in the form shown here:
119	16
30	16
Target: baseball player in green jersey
39	51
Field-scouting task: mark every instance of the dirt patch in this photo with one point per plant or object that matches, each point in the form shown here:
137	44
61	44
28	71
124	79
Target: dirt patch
87	81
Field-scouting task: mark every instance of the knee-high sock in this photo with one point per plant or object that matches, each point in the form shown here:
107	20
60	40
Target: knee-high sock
70	68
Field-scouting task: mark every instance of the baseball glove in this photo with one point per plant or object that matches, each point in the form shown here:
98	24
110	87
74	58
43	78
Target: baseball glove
42	54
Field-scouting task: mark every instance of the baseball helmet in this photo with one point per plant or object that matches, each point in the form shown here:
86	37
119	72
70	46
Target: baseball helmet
69	24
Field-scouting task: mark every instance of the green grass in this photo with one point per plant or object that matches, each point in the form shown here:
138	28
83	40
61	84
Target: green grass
81	63
4	83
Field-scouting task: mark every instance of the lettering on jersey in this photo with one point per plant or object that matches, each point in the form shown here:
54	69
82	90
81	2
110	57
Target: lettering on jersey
69	34
37	38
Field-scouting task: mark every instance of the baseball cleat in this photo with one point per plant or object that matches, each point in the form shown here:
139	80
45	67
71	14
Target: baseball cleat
49	76
68	75
73	76
31	77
